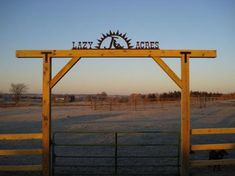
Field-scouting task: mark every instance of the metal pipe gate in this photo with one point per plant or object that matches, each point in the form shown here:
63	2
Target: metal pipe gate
115	153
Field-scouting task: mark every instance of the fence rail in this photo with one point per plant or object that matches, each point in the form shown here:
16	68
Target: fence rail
25	136
203	131
195	163
20	152
13	168
218	146
116	145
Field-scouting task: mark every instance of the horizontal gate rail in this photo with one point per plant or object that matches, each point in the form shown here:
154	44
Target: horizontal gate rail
115	145
123	174
70	165
119	132
74	156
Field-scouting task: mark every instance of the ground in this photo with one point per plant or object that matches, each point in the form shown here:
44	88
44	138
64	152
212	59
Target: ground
151	117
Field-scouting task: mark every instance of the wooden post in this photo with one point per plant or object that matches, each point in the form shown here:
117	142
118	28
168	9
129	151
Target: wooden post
46	115
185	114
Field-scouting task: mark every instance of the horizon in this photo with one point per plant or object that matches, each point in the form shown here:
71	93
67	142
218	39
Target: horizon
191	91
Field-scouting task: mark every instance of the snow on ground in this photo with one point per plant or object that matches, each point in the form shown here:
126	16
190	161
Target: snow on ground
154	117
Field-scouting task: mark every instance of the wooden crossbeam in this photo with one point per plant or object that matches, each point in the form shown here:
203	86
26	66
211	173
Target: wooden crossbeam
21	168
168	71
196	163
27	136
213	131
115	53
225	146
20	152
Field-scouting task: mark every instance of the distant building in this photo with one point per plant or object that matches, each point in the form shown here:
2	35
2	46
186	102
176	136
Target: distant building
63	98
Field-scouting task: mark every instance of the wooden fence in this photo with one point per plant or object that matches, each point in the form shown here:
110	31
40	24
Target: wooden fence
194	147
217	146
19	152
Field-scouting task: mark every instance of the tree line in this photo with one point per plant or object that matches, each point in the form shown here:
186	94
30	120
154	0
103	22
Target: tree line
17	90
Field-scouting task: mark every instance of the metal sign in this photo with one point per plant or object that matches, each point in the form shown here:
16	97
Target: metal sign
115	40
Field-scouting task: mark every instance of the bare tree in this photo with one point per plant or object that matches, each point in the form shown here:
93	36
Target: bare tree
17	90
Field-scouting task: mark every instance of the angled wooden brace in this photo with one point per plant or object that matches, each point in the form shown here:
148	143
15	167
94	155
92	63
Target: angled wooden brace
63	71
168	71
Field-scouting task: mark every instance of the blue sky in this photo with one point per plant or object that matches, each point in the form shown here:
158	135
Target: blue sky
199	24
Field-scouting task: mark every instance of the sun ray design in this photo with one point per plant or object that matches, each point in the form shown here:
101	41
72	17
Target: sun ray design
112	34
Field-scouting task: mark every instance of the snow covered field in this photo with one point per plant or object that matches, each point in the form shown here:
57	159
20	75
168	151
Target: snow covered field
154	117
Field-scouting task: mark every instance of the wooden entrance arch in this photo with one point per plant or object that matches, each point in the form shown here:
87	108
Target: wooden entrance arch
157	55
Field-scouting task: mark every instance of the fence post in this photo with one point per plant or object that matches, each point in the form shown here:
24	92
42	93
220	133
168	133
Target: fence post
46	114
185	114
